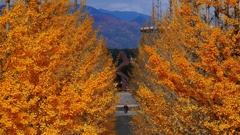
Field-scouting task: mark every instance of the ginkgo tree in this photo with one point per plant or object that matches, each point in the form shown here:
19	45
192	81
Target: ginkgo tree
187	78
56	75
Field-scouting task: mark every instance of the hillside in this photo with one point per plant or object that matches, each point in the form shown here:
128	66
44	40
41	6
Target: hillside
118	34
121	29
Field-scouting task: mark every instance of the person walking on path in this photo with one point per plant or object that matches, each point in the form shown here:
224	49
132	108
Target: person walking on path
125	107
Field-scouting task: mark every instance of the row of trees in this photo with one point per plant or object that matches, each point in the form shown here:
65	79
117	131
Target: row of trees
187	75
56	76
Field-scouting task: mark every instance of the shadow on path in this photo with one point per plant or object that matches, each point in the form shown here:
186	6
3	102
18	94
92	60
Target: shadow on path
122	125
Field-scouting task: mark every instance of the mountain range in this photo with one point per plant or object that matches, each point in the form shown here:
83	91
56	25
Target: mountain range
121	29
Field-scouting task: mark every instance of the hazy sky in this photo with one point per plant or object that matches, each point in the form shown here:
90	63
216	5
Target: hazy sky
141	6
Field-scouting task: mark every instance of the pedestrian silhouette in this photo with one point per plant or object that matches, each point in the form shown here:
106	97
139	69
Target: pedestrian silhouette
125	107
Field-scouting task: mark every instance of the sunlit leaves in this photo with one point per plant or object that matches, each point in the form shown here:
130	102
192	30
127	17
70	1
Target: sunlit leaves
195	69
58	78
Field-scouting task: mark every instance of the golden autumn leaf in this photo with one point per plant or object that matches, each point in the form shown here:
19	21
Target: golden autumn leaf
57	75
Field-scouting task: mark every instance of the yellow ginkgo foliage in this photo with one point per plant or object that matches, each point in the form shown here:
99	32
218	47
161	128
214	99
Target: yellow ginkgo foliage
187	75
56	76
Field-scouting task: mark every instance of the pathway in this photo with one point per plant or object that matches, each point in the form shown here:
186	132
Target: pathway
122	123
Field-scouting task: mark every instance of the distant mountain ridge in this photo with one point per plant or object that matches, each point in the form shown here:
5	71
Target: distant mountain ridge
126	15
121	29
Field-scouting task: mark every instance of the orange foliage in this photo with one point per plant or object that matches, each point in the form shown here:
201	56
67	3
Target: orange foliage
56	76
190	80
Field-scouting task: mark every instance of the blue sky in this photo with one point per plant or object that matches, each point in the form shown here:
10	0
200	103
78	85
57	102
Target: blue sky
141	6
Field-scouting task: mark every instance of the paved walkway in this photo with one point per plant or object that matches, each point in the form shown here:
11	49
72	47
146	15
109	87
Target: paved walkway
122	123
126	98
129	113
123	127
